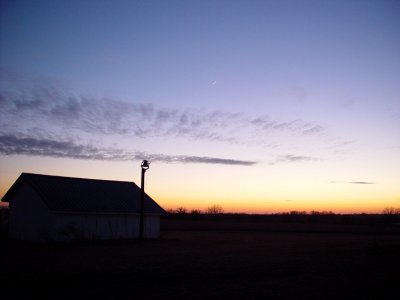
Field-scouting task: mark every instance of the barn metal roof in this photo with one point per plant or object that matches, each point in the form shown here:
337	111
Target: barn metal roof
68	194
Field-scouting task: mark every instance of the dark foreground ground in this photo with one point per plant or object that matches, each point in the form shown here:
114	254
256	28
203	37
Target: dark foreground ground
208	264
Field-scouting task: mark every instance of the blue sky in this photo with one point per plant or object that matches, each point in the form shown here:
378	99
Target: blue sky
302	93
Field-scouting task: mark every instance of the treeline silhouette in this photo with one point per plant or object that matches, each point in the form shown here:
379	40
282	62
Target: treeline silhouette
388	216
211	210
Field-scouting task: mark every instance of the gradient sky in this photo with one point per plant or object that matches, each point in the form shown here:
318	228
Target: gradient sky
257	106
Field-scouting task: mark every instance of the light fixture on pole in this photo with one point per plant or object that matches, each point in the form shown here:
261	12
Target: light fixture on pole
145	166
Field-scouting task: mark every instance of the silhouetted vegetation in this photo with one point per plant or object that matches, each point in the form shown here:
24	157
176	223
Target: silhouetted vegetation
293	221
391	215
181	211
391	211
195	212
215	210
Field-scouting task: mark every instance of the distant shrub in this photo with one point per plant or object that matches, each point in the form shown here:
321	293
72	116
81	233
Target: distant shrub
215	210
321	213
297	213
195	212
170	211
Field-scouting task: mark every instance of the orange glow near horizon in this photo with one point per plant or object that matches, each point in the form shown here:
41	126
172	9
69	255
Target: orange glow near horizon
257	189
271	205
277	206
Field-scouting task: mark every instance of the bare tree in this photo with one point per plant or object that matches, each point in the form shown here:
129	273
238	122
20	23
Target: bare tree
181	211
215	210
391	211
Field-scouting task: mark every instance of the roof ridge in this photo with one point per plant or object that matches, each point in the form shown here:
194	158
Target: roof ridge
61	193
81	178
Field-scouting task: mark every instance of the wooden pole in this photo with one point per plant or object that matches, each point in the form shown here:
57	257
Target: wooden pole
141	220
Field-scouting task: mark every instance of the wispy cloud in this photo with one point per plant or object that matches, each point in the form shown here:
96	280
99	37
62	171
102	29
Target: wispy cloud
25	145
290	158
104	116
353	182
47	120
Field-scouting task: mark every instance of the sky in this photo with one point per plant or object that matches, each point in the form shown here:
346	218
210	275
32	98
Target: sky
256	106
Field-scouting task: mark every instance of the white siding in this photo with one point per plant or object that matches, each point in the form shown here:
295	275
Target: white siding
102	226
152	227
29	218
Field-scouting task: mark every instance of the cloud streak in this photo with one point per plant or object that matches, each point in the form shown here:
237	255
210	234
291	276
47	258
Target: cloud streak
353	182
25	145
290	158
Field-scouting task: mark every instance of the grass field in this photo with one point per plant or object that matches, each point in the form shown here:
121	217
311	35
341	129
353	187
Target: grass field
207	264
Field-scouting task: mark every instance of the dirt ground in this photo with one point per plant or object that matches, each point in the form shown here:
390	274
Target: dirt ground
207	265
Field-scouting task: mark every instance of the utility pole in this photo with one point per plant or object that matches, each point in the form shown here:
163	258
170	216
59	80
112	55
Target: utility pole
145	166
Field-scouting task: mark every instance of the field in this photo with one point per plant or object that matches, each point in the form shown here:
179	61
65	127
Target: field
209	261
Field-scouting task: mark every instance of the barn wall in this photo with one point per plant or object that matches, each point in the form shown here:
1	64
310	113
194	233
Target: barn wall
29	217
102	226
152	227
4	213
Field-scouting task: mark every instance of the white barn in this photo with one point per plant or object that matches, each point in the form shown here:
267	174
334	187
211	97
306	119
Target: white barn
45	208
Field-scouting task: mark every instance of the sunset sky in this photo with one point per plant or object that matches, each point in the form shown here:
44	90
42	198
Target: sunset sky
257	106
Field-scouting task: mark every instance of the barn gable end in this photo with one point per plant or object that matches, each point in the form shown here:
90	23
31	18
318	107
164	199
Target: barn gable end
54	208
29	214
